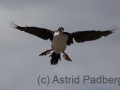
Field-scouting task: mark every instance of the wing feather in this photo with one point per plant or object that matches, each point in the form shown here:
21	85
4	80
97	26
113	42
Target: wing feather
39	32
82	36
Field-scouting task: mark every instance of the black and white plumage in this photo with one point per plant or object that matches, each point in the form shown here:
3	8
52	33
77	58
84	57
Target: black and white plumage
61	39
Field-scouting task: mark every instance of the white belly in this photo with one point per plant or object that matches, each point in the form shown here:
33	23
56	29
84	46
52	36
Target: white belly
59	42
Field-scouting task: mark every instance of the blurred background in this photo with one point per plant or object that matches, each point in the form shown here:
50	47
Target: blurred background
20	64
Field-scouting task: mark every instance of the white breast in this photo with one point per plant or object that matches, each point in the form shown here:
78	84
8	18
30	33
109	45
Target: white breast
59	42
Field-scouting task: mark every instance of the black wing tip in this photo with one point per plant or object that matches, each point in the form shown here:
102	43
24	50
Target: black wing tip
13	25
112	29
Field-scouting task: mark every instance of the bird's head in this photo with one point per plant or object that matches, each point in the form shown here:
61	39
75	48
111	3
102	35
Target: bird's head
61	29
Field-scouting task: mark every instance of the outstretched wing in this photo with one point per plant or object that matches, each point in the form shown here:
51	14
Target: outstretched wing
40	32
82	36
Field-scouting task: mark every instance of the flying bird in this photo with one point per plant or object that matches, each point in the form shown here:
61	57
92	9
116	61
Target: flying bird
60	39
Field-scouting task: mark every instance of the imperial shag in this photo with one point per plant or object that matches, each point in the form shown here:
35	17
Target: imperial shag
60	39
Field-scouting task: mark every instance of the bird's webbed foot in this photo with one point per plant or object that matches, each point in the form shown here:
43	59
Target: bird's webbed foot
66	57
45	52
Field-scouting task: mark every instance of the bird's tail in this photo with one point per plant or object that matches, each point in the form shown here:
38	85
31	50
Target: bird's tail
55	58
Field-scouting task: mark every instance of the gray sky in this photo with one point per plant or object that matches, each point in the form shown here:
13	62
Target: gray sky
20	64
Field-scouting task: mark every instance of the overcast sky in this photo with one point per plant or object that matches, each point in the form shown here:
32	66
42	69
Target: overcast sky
20	64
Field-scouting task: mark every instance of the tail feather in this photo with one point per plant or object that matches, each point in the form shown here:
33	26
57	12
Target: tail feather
55	58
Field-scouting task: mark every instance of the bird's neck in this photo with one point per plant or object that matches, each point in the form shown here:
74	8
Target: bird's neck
60	33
